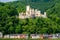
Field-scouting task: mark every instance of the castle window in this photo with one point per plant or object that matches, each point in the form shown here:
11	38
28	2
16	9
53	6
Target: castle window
28	12
36	14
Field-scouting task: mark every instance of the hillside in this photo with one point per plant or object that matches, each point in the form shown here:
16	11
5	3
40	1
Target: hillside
37	4
9	24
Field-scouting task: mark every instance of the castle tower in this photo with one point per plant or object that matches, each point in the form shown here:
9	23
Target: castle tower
45	14
27	8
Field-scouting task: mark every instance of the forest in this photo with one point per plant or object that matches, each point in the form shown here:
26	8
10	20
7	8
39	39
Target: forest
9	24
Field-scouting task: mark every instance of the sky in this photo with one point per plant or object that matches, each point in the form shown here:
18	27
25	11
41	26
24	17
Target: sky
6	0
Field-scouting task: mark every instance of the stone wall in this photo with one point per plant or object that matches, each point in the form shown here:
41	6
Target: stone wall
30	13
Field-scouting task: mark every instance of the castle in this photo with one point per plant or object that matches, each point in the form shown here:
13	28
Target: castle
31	13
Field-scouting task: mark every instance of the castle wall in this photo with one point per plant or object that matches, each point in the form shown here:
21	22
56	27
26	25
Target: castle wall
30	13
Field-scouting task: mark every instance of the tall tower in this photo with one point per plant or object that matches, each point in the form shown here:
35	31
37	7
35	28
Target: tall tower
27	8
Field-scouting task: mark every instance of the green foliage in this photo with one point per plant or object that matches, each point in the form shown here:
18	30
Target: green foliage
42	5
9	24
20	7
38	25
8	18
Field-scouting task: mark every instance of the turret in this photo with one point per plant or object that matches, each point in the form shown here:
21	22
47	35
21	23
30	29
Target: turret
45	14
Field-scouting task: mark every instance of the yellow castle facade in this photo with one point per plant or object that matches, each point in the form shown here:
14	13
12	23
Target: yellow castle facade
31	13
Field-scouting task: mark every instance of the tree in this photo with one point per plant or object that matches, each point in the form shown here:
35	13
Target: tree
7	18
